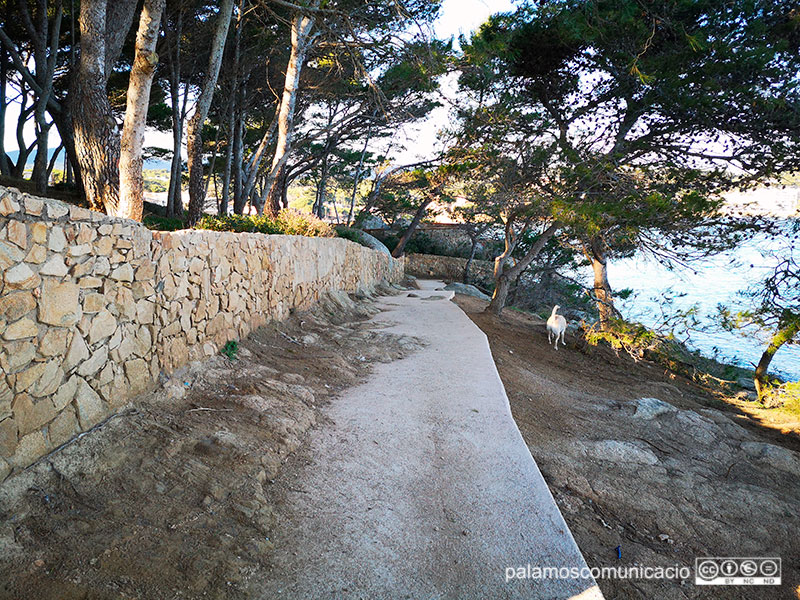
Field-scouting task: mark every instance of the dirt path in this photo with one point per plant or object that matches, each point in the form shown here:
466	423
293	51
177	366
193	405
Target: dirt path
689	476
173	498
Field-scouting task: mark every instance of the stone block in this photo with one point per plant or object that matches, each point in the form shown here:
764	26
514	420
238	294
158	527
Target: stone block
79	250
17	355
123	272
57	241
90	282
63	428
17	233
21	277
24	328
103	246
31	447
58	304
54	266
65	393
56	209
138	374
54	342
8	205
36	255
94	363
94	302
39	232
10	255
29	415
8	437
50	379
89	405
103	325
78	352
16	305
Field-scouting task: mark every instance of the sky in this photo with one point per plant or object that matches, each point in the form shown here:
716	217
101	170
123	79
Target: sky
457	16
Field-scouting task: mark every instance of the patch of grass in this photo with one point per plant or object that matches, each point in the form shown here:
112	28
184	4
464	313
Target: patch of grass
230	350
158	223
640	343
784	397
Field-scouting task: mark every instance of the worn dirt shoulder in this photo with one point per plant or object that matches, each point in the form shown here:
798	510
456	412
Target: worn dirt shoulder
172	498
668	480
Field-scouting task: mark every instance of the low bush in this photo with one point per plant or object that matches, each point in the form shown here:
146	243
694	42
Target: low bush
287	222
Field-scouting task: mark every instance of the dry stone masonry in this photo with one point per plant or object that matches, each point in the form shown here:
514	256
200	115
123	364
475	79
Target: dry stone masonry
93	308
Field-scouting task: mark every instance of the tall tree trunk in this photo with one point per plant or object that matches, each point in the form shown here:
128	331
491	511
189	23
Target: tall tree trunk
604	297
39	174
412	227
301	30
472	251
44	38
174	202
787	330
255	161
239	198
319	205
222	208
131	192
25	111
51	165
96	131
5	163
194	135
357	177
505	277
238	134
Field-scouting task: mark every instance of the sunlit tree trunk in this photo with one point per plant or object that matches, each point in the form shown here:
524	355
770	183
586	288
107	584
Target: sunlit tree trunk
194	134
301	31
131	201
604	296
787	330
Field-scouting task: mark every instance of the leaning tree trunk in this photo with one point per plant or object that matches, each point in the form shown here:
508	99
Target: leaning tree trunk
787	330
505	277
301	30
131	192
401	244
603	294
194	137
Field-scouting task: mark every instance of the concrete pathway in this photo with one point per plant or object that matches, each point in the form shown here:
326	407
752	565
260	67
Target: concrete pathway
423	486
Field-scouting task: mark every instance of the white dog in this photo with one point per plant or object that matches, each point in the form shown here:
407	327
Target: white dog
556	326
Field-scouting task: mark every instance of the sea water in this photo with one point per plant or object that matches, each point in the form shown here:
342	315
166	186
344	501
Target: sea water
714	281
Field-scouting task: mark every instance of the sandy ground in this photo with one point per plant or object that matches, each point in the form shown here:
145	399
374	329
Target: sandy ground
174	498
699	479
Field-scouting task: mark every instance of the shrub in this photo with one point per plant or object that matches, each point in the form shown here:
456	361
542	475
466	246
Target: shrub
287	222
348	234
230	349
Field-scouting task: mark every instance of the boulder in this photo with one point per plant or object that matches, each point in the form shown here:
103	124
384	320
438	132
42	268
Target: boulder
649	408
467	290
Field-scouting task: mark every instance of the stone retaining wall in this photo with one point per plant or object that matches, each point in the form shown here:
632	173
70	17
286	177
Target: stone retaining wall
93	308
449	268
